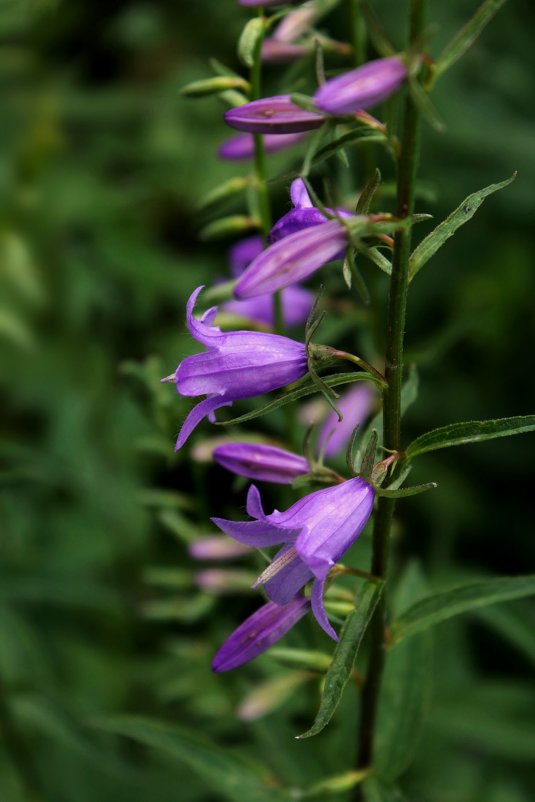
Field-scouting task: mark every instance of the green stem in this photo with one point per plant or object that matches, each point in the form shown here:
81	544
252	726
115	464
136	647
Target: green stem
358	32
407	165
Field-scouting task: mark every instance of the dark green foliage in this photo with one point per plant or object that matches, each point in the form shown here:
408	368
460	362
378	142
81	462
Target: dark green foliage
102	167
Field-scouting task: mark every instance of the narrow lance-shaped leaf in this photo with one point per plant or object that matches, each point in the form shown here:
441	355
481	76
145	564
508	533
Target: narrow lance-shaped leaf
213	86
432	610
300	392
462	214
225	770
465	38
458	434
344	655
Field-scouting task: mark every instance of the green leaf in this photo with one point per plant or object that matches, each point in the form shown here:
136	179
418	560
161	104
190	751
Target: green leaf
369	190
225	770
301	659
301	392
375	256
437	608
462	214
250	39
225	190
213	86
344	655
225	226
458	434
465	38
359	136
405	492
333	785
421	100
406	688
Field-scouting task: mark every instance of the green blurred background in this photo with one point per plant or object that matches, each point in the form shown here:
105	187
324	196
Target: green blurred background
101	167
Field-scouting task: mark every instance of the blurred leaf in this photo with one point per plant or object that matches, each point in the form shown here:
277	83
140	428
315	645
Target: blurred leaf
301	658
267	696
437	608
461	215
189	609
250	39
458	434
225	226
301	392
226	770
377	791
345	654
421	100
332	785
406	689
516	624
465	38
213	86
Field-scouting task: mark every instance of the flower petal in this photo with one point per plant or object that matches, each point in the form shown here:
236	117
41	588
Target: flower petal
199	329
258	632
289	580
316	600
200	411
291	259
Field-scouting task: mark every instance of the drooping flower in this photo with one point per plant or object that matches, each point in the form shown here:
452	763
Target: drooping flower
258	632
361	88
355	407
258	461
292	259
241	147
296	302
236	365
272	115
303	215
301	253
314	532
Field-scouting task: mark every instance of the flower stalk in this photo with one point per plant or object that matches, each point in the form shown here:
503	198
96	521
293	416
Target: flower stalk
407	166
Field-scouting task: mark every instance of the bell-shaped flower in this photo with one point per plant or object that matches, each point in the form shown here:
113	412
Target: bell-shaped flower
235	365
258	632
259	461
315	533
272	115
242	147
293	258
361	88
302	251
303	215
296	302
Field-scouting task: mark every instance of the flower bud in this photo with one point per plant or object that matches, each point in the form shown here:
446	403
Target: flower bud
361	88
257	461
272	115
242	147
217	547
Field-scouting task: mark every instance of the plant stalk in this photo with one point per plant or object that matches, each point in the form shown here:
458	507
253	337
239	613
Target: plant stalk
407	166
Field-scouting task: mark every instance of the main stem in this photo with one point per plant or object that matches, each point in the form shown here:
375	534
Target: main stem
407	166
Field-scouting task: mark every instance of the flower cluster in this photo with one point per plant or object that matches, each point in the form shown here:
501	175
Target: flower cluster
313	533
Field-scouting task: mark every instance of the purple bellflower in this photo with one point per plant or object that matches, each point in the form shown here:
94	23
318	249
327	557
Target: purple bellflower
303	215
296	301
258	632
241	147
236	365
272	115
355	406
258	461
361	88
314	532
292	259
301	241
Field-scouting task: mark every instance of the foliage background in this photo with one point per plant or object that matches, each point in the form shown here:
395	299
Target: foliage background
101	167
